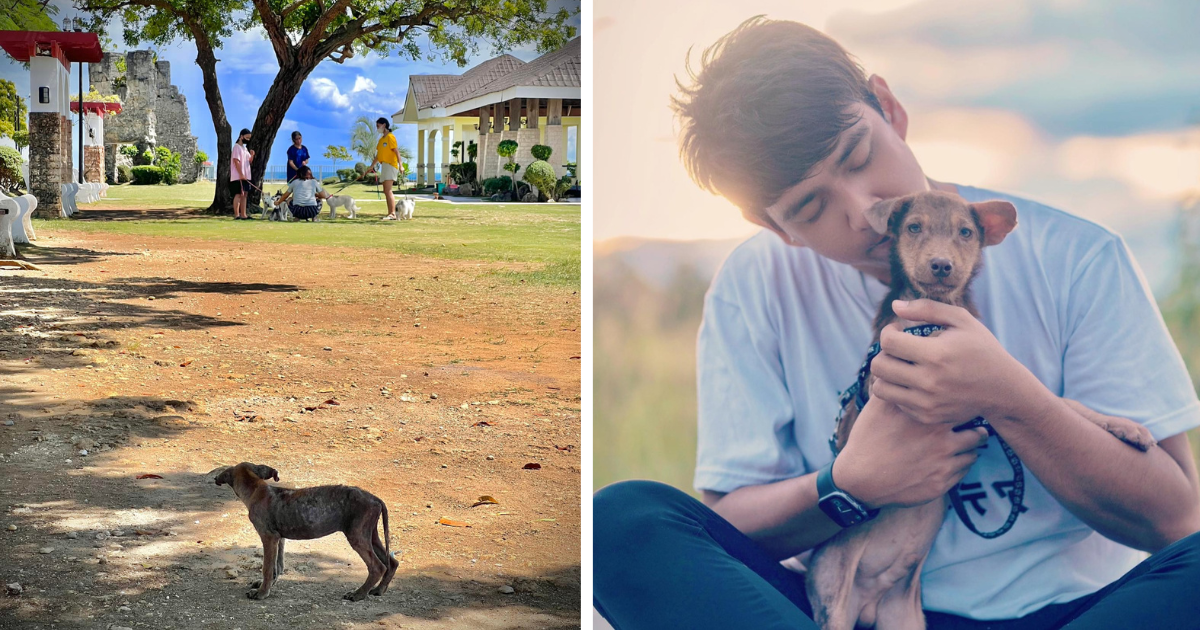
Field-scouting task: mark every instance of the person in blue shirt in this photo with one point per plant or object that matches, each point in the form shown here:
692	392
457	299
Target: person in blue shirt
297	156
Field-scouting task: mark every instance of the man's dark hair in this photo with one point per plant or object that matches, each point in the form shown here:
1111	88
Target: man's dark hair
768	103
294	134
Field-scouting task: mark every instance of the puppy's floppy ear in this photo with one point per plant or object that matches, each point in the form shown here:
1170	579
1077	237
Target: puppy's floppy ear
266	472
998	218
881	213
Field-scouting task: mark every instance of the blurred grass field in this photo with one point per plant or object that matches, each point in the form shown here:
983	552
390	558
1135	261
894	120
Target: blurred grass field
645	369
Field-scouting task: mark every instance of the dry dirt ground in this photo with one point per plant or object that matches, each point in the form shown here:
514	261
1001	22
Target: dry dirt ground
427	382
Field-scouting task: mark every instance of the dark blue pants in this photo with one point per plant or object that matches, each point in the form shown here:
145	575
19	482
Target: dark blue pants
665	560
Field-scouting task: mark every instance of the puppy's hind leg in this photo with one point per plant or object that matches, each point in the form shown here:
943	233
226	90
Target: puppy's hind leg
279	559
384	553
359	537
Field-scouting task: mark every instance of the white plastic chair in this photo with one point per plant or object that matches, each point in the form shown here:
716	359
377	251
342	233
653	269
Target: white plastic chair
23	227
69	194
8	214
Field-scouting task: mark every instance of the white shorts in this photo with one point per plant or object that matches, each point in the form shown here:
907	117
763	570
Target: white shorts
387	172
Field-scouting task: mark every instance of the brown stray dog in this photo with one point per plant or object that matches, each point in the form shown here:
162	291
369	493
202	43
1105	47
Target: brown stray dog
869	575
308	513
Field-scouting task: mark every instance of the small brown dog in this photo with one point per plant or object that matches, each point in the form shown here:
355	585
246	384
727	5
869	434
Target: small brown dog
869	575
307	513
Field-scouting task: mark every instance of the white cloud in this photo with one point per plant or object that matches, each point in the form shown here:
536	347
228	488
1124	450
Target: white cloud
326	90
363	84
289	125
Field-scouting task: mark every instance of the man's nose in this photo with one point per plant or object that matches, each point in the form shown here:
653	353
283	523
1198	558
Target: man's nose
941	267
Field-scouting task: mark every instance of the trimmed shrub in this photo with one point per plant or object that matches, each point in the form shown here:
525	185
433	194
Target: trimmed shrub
541	174
331	179
146	158
346	174
463	173
493	185
124	173
541	152
145	175
169	162
129	151
10	169
360	168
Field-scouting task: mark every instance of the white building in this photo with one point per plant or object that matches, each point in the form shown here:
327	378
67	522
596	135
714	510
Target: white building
538	102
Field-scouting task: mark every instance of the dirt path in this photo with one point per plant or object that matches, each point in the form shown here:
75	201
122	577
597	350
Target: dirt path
175	357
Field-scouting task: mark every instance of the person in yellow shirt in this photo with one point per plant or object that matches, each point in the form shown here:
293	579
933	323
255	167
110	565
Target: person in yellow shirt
387	156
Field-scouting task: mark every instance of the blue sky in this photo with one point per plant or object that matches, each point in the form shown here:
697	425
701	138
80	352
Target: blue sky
332	96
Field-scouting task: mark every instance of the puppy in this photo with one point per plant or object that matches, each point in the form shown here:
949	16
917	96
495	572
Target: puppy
277	210
342	201
307	513
869	575
405	207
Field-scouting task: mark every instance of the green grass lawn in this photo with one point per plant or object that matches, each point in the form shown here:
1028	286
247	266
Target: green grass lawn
545	235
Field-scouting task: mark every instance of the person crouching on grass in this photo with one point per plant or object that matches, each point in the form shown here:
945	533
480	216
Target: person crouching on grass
781	121
387	156
305	193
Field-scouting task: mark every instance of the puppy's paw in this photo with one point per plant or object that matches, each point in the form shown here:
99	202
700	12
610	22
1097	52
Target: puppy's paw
255	584
378	591
1131	433
257	593
354	596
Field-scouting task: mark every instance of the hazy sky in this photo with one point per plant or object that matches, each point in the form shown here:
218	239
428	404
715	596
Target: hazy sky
1085	106
332	96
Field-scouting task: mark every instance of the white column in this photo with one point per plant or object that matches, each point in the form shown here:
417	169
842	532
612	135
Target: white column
420	157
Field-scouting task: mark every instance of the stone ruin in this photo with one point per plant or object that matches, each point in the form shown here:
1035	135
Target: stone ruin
153	114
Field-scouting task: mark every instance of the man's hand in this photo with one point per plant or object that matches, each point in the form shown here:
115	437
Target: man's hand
893	459
961	374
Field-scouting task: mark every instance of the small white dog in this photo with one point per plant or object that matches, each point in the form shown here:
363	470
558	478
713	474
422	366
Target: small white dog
405	207
342	201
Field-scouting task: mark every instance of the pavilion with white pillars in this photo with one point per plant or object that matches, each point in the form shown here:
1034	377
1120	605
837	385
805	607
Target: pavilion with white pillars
539	102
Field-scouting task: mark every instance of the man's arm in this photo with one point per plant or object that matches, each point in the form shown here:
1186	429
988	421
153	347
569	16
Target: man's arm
1142	499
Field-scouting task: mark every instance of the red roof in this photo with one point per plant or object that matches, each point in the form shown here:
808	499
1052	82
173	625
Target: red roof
71	46
99	107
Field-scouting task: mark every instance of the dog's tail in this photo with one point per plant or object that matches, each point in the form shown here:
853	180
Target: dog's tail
387	537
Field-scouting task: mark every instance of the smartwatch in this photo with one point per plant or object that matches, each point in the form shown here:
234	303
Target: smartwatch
838	504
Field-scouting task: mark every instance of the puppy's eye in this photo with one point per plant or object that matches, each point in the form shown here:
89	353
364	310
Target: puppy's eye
915	228
966	233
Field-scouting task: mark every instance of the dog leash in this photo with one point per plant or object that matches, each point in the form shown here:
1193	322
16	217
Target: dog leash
858	394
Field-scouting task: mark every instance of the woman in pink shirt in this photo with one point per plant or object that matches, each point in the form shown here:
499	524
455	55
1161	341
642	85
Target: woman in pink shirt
239	175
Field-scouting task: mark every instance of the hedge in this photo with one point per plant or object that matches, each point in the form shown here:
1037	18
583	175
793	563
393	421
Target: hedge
144	175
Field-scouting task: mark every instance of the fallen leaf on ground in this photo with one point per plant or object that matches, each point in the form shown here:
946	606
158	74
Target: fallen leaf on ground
482	423
485	500
576	357
446	521
186	363
419	438
568	448
149	476
532	466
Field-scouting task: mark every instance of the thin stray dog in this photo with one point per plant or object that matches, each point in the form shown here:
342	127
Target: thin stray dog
869	575
308	513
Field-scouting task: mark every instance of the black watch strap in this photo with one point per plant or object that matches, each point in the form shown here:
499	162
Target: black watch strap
839	505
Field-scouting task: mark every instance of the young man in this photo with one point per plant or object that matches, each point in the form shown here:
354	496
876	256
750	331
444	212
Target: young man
781	121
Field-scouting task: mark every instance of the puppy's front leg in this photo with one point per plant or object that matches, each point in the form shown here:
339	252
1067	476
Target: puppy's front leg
270	554
1124	429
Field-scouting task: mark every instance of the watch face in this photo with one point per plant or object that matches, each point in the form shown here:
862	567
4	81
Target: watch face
838	508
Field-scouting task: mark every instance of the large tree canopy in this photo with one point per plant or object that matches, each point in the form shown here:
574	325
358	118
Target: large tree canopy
27	15
304	33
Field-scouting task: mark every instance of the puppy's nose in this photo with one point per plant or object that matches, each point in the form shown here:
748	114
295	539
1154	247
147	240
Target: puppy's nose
941	267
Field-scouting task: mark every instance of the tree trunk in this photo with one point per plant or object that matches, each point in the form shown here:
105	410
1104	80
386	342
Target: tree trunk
222	201
270	117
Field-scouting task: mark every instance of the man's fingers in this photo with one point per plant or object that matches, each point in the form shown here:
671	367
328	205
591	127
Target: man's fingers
895	371
971	440
895	394
930	311
901	345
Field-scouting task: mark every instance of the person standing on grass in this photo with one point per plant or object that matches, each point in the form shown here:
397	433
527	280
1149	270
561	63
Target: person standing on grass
239	174
297	156
387	156
305	192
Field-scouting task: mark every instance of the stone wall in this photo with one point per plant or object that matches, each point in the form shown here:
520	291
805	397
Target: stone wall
68	160
154	113
45	159
93	159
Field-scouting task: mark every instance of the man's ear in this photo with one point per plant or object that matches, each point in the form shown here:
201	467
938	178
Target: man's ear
998	218
880	215
893	111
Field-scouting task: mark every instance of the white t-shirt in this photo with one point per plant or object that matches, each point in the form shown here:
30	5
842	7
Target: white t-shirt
304	191
785	331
